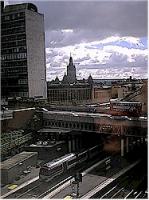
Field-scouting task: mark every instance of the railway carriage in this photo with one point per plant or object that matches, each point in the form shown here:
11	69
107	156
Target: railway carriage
56	167
59	166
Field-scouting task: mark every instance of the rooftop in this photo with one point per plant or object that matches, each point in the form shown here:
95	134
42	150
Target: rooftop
11	162
23	6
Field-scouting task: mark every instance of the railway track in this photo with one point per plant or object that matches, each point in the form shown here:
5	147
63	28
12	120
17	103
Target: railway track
39	189
126	189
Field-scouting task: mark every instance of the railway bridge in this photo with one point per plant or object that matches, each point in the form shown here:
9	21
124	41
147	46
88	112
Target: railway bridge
122	126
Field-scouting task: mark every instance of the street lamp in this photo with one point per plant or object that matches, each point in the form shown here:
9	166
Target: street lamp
78	179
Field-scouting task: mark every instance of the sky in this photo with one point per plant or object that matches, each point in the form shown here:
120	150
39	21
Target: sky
107	39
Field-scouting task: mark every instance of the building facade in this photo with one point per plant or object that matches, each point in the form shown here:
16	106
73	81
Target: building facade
101	94
23	67
69	94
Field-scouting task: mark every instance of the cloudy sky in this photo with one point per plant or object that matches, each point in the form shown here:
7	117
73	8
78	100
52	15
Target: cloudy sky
107	39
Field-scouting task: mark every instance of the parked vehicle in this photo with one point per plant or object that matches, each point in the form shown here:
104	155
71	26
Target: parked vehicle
121	108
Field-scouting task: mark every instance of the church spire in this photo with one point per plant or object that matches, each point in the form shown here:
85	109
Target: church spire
70	60
71	71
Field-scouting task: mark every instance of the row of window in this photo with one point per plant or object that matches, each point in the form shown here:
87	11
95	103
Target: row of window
13	56
11	71
14	16
57	95
13	37
13	31
13	64
19	94
15	24
72	90
14	50
13	44
125	104
23	94
75	125
88	126
19	91
22	81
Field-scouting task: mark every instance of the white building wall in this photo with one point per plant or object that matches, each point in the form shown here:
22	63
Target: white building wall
35	39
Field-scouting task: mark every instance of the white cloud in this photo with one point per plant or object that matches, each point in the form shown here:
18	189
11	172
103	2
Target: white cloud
131	40
67	31
108	61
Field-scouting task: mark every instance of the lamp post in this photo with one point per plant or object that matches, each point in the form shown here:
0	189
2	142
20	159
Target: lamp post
78	179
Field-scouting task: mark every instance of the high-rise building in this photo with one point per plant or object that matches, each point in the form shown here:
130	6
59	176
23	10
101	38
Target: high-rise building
71	71
23	67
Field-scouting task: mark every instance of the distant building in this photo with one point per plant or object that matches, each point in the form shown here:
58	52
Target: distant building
70	90
23	67
101	94
69	94
71	71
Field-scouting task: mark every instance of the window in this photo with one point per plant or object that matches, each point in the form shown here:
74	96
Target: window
56	169
22	81
23	94
7	17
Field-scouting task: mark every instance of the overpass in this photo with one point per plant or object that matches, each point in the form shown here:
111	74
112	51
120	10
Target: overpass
123	126
100	123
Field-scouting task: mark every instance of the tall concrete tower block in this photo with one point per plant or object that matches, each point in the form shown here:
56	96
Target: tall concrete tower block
23	52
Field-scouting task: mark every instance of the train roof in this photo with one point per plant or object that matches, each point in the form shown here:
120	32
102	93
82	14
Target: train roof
60	160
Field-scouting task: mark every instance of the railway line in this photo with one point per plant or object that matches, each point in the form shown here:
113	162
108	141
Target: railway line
128	187
41	190
38	189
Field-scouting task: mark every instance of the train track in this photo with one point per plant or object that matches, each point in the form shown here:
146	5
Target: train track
125	188
39	189
30	192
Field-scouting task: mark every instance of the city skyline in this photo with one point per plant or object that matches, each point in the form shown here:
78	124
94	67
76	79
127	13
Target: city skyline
107	39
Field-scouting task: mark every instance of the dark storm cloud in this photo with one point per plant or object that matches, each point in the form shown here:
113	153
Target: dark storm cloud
92	20
130	17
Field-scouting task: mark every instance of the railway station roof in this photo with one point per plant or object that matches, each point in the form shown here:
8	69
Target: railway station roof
11	162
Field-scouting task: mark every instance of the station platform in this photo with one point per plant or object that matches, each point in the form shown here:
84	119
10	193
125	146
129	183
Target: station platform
90	181
17	184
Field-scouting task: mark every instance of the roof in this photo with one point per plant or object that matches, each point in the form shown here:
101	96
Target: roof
77	114
60	160
24	109
22	6
52	130
46	146
11	162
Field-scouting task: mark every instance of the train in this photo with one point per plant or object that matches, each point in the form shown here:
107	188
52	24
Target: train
121	108
67	162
